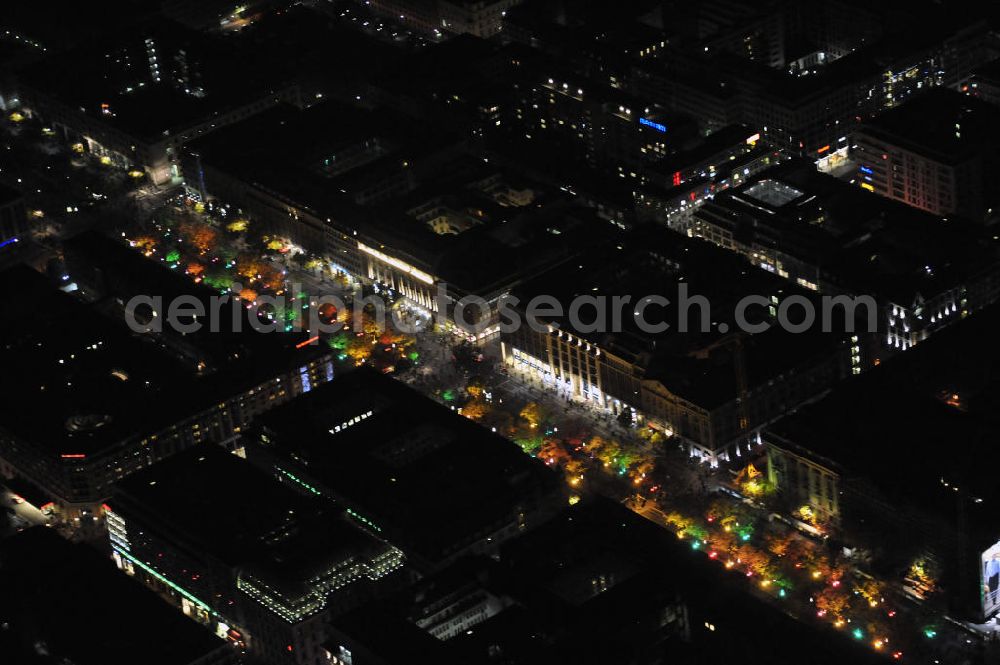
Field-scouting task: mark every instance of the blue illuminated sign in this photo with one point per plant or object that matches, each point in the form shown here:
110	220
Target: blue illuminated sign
655	125
865	169
9	241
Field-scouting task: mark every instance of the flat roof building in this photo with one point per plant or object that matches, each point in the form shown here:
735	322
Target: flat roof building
821	233
88	401
66	603
596	584
937	153
137	97
260	564
431	482
413	212
899	461
701	377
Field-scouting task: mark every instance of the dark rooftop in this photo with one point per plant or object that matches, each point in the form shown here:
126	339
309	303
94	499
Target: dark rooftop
920	420
72	599
112	80
380	447
8	194
863	243
941	124
555	613
186	492
293	155
77	380
695	365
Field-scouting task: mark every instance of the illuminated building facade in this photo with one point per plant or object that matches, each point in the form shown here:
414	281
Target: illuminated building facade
936	153
413	216
858	460
609	129
687	384
483	18
825	236
268	577
807	104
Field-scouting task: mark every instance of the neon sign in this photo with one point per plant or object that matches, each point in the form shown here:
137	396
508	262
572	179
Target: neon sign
655	125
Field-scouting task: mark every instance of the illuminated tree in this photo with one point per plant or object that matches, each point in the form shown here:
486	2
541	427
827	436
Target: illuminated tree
476	409
723	542
871	590
238	226
653	436
530	445
145	244
248	294
678	521
923	573
201	236
390	336
640	469
534	413
609	453
195	269
833	602
594	446
272	278
358	348
219	279
753	560
553	452
475	387
780	545
574	470
249	267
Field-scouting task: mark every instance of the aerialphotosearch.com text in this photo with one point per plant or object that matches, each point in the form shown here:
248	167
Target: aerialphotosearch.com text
585	314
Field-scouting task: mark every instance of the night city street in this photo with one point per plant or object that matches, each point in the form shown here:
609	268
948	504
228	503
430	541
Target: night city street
485	332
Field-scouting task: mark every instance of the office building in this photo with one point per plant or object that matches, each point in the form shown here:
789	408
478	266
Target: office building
81	415
899	462
134	101
429	481
261	565
597	584
413	214
66	603
936	153
823	234
708	384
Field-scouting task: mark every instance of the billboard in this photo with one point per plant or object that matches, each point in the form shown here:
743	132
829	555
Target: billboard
990	574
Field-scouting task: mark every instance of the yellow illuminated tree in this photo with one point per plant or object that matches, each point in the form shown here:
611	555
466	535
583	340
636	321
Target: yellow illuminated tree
476	409
146	244
833	602
534	413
